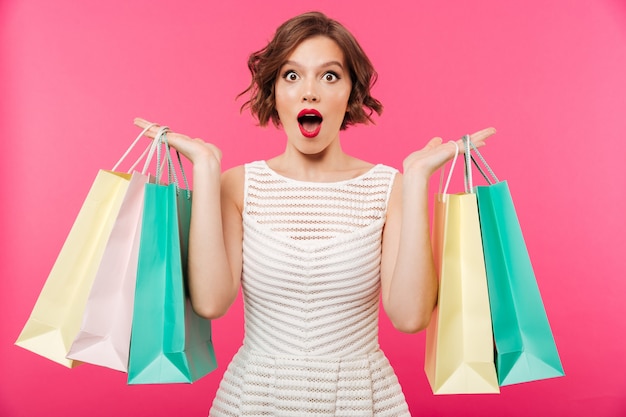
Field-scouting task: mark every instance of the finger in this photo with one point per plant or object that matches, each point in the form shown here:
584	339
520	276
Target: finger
434	142
142	123
479	137
216	151
176	139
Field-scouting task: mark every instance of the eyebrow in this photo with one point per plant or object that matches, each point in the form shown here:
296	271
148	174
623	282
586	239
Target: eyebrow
324	65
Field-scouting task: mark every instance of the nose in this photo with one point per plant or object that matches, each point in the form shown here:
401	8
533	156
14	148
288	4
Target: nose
310	93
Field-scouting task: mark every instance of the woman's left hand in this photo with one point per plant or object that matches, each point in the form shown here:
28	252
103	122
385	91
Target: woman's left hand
436	153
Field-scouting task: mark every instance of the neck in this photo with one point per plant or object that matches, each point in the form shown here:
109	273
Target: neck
319	167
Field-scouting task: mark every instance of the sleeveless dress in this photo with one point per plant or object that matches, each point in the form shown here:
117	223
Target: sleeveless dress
311	288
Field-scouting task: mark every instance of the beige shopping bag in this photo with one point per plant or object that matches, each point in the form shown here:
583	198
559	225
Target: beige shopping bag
459	341
104	336
57	315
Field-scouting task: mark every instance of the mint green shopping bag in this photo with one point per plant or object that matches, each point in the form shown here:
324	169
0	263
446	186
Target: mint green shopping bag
525	347
169	342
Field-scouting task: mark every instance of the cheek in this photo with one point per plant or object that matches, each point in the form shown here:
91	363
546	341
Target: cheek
345	95
284	110
283	99
279	102
343	101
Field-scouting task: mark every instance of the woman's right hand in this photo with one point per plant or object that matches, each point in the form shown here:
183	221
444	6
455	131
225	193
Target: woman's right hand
196	150
436	153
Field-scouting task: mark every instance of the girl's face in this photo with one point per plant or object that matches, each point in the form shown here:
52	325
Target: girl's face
312	92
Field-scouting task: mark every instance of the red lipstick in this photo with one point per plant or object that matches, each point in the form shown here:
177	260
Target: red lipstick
310	122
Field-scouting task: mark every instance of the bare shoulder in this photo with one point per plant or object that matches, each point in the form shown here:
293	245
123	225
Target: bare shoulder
232	184
395	199
234	174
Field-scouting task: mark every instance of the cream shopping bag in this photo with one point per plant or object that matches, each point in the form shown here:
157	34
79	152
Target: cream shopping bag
459	341
57	315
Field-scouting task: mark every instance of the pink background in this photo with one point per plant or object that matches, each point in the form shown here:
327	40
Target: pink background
549	75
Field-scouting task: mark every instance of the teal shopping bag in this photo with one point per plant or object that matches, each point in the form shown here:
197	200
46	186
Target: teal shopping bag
525	346
170	343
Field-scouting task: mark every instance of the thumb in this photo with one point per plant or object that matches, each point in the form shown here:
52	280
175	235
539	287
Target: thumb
434	142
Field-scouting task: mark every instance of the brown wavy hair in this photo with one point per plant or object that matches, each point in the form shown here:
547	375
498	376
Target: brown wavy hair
265	64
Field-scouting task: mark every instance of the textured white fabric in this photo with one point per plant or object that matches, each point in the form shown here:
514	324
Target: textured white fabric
311	286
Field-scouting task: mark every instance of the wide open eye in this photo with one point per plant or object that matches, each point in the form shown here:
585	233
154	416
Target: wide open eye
330	77
291	75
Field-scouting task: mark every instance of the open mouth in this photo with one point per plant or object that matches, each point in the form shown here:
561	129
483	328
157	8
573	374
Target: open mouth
310	122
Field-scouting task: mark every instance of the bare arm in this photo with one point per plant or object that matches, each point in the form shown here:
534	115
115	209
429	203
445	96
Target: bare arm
214	257
408	274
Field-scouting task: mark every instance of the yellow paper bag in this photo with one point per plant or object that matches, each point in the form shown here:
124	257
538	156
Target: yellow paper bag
56	318
459	341
57	315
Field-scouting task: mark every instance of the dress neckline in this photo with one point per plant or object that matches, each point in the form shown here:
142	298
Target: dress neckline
329	183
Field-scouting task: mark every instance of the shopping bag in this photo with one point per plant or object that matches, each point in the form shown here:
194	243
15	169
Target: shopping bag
104	336
56	317
525	347
459	342
170	343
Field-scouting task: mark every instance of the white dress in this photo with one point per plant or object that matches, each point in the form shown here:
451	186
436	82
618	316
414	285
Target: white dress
311	288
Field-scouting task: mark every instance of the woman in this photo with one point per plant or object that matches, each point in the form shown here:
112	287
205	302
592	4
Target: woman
314	237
